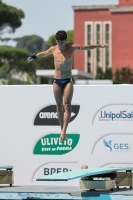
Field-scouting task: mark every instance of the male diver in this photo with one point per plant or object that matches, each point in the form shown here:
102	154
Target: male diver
63	84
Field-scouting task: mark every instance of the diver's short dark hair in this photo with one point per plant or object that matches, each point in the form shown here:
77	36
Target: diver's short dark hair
61	35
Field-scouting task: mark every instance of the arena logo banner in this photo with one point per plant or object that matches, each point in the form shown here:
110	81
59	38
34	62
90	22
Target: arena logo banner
114	113
48	116
51	145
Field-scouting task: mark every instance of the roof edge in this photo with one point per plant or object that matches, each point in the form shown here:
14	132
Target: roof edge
92	7
122	9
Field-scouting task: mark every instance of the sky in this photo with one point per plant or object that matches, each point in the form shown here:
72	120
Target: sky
46	17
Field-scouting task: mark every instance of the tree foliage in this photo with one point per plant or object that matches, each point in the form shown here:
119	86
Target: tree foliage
45	63
15	59
124	75
10	18
119	76
100	73
52	40
104	75
32	43
70	37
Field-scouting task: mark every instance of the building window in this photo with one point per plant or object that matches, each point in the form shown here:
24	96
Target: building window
107	40
89	34
89	52
98	32
98	38
89	38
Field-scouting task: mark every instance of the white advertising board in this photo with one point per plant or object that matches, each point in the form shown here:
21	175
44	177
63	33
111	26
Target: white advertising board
99	134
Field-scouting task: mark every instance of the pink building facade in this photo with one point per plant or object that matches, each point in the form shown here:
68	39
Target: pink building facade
102	24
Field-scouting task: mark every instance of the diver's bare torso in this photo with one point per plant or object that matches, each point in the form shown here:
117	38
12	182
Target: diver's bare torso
63	61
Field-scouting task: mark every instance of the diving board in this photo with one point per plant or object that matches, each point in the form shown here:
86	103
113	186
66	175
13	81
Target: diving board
7	167
83	173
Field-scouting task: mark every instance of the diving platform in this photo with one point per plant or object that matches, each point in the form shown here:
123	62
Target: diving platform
89	186
106	178
83	173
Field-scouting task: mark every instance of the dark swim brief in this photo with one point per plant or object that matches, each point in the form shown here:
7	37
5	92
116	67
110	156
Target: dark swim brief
62	82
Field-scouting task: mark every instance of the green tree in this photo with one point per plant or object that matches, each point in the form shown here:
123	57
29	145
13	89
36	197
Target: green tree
14	60
5	40
45	63
108	73
104	75
32	43
13	63
4	69
52	41
124	75
70	37
10	18
129	75
45	46
117	74
100	73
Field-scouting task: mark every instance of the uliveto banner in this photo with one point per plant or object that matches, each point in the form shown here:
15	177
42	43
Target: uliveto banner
99	132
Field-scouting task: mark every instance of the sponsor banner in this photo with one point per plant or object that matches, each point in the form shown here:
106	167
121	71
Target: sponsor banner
48	116
52	168
51	144
114	113
114	143
100	130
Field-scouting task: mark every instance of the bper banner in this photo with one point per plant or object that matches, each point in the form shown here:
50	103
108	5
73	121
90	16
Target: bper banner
99	133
